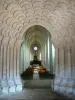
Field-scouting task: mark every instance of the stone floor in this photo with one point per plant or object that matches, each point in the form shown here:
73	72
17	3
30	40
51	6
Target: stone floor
34	94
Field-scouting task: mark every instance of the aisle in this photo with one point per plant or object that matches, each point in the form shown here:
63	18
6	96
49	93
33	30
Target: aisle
36	82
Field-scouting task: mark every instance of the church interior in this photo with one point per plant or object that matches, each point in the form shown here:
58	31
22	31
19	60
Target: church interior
37	48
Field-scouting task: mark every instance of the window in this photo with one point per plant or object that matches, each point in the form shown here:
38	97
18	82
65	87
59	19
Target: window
35	48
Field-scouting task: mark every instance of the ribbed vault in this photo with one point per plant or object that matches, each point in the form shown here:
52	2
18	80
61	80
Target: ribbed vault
58	16
36	36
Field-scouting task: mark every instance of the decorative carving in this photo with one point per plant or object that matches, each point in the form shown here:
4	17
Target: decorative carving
21	14
12	41
18	43
5	41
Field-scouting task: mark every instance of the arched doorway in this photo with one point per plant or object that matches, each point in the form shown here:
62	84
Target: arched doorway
40	38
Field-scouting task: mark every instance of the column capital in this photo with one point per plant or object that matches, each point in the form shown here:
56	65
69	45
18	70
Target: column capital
67	49
18	42
12	41
5	41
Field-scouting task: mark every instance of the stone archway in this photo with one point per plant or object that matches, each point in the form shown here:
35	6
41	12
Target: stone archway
44	39
40	36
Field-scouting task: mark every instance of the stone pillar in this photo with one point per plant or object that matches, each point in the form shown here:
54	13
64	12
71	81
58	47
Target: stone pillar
43	58
18	61
15	62
61	61
50	58
18	79
68	61
26	55
57	69
24	51
47	56
4	81
8	62
73	67
1	61
22	54
5	62
4	55
18	46
68	69
1	53
11	52
73	61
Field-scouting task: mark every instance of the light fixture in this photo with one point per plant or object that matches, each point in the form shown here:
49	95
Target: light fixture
35	48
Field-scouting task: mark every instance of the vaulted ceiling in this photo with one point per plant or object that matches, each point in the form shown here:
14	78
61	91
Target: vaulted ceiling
36	35
57	16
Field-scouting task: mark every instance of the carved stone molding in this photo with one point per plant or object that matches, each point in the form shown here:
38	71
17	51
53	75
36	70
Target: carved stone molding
12	41
5	41
18	43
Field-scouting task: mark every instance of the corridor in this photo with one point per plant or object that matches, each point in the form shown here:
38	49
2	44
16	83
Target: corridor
37	83
42	29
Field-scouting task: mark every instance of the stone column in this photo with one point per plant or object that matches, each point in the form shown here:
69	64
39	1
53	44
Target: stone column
17	65
43	58
73	61
1	61
47	56
4	56
8	62
27	55
18	61
22	53
50	59
61	61
68	69
5	62
15	62
24	56
18	46
0	57
73	67
11	52
57	69
68	61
